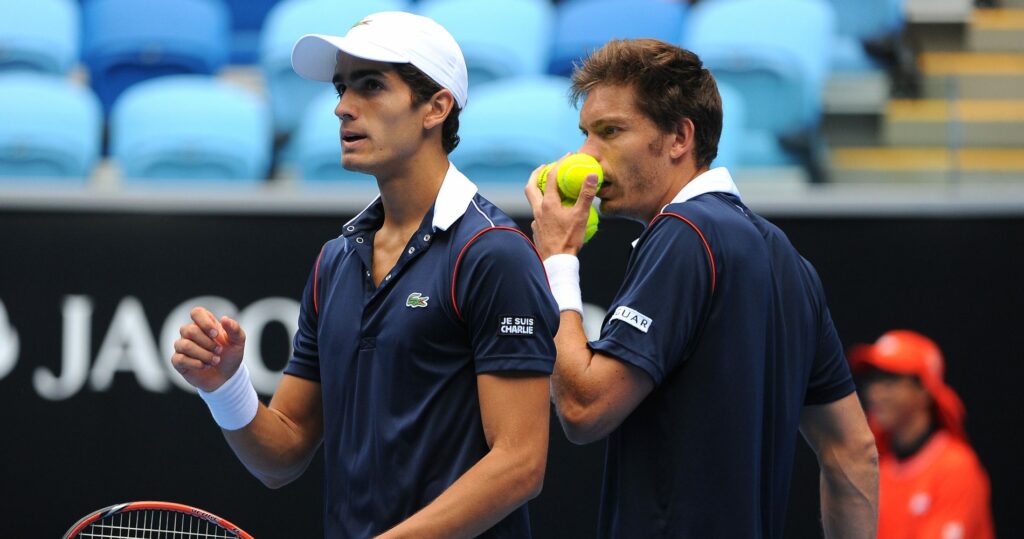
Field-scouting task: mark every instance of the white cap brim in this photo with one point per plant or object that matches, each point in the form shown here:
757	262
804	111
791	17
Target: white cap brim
315	56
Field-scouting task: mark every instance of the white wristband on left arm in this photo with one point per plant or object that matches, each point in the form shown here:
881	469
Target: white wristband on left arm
564	278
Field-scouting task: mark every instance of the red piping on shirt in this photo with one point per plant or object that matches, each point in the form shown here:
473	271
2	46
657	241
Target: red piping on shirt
711	257
458	260
316	283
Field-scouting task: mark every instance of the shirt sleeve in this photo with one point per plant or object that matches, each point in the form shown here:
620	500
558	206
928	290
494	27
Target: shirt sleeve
502	295
830	378
305	359
663	301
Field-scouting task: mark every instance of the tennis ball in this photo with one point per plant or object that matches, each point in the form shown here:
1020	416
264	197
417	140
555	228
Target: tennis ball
573	171
542	177
592	221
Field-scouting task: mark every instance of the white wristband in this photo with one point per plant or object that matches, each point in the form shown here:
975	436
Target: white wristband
233	404
564	278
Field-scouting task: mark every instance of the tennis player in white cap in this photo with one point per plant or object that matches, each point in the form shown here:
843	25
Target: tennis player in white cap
426	329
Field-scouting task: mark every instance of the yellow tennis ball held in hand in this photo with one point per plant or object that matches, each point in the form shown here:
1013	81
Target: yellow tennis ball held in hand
592	222
572	172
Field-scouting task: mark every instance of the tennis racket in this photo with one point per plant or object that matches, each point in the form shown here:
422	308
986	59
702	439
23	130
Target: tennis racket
153	520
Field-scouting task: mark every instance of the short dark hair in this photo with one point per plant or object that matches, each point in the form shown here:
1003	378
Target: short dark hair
670	84
423	88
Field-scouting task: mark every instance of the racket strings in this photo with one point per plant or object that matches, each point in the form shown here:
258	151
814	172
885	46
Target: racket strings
154	524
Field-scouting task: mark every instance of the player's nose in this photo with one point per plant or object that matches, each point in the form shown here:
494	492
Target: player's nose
590	149
345	109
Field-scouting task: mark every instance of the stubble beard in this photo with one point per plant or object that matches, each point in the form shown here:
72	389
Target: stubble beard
640	182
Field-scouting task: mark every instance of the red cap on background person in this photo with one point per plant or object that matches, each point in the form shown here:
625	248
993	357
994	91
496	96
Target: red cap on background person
909	353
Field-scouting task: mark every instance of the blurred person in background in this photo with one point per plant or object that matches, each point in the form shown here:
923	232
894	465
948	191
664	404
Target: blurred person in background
426	329
931	482
719	346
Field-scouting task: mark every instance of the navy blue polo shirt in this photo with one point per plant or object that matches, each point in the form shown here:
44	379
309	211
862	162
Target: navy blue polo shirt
731	324
398	363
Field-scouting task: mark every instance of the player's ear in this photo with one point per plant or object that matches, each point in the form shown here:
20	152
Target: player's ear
683	138
440	105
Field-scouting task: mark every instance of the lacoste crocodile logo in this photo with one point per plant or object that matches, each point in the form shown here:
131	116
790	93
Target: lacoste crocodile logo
416	299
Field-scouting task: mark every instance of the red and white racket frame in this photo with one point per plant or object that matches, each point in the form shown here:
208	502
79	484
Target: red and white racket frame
151	505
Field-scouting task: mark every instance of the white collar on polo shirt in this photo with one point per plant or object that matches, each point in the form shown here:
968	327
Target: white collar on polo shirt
716	180
455	196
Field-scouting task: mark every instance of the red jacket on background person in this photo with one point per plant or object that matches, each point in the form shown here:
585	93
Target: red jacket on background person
931	484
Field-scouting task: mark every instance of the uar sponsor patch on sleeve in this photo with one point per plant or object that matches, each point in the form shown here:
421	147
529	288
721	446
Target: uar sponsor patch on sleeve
516	326
632	317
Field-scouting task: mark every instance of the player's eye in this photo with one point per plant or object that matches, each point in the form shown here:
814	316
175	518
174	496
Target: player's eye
339	89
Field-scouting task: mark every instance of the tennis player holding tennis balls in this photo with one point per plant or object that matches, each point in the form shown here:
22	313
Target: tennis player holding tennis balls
718	347
426	329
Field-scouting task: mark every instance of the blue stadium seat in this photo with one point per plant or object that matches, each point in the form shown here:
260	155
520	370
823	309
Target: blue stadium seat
50	127
859	21
849	56
39	35
584	25
507	38
128	41
869	19
734	128
510	127
776	53
742	146
285	24
191	127
247	18
315	147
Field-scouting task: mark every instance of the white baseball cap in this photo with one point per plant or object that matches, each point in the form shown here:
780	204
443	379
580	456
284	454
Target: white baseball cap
389	36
